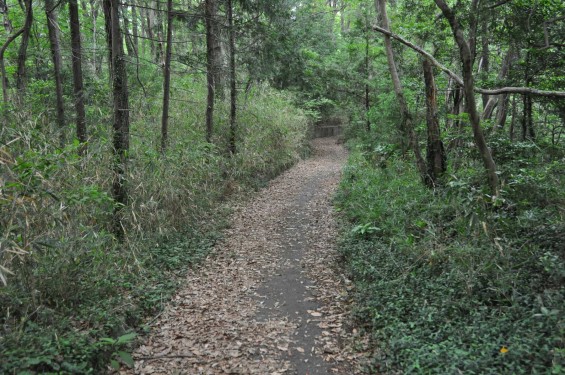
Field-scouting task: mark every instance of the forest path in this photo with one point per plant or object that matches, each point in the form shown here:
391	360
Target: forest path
272	299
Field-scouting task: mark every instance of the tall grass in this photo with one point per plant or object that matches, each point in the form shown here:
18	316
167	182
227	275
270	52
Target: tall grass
65	281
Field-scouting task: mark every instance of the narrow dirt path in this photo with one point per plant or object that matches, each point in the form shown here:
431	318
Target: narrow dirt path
271	300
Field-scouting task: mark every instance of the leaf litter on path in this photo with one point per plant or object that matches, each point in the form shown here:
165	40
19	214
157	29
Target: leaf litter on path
239	314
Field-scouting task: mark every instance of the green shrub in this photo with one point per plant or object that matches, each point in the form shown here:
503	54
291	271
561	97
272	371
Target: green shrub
451	281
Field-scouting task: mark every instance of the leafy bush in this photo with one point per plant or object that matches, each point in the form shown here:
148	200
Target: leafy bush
453	281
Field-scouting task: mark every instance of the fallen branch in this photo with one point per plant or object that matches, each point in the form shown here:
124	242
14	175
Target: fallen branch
459	80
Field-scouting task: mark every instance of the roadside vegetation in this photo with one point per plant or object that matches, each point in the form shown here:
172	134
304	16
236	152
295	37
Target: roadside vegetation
75	296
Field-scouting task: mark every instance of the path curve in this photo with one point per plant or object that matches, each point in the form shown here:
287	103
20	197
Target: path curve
271	300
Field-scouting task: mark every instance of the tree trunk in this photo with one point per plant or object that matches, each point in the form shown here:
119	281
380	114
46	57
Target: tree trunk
77	72
128	39
210	7
502	112
121	120
470	103
22	52
406	122
502	74
5	19
95	59
2	66
233	88
436	154
527	119
167	79
107	9
485	54
135	29
513	121
367	73
52	28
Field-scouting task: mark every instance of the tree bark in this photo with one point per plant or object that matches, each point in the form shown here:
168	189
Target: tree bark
167	79
485	55
52	28
502	74
95	59
501	112
77	73
513	121
209	12
233	88
22	52
470	103
121	121
2	66
107	9
5	19
406	121
367	73
135	29
436	158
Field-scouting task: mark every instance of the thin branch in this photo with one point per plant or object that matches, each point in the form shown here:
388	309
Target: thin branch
500	3
459	80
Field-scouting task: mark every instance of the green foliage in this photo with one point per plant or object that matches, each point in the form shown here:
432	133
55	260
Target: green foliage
453	281
73	292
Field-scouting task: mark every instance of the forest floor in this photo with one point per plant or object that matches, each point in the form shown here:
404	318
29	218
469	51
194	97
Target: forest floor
272	298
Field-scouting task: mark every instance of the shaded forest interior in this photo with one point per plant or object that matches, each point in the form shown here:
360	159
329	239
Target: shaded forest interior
128	127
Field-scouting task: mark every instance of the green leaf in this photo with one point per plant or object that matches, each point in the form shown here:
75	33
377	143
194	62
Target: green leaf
128	337
115	365
126	357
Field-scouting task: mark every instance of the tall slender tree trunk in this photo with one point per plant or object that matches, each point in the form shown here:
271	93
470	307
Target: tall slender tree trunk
406	126
502	112
468	88
233	88
209	13
128	39
135	29
492	101
95	59
367	77
167	78
107	10
513	121
2	65
121	120
22	52
485	54
52	28
77	72
436	159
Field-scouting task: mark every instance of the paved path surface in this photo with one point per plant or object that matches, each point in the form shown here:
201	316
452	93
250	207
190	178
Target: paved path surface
272	299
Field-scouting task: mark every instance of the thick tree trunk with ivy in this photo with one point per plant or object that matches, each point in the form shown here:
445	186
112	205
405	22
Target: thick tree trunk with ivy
436	158
121	120
77	72
469	89
406	126
52	28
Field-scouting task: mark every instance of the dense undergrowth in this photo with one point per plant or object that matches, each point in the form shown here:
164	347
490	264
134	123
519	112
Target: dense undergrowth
75	297
450	280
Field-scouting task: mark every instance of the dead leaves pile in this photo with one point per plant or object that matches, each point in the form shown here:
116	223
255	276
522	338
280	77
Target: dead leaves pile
211	325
